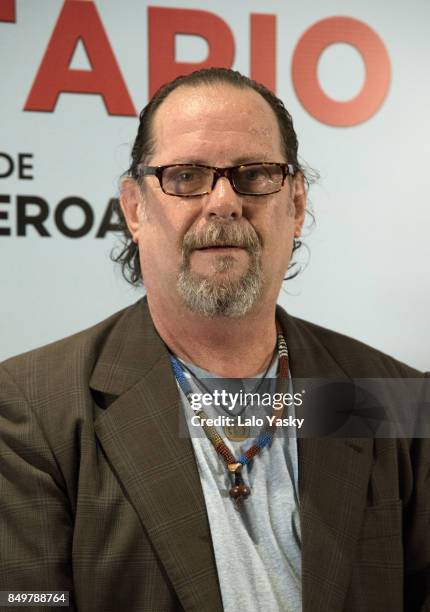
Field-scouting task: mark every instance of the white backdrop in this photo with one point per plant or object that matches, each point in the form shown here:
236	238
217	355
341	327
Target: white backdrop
368	270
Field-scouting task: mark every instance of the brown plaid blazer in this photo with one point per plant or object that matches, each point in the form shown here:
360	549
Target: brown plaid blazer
100	496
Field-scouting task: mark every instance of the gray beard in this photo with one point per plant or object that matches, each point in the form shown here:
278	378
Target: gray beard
227	296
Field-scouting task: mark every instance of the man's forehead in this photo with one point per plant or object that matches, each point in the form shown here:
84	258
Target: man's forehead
223	106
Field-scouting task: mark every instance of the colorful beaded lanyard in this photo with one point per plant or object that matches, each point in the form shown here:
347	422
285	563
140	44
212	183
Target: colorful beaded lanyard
239	491
233	432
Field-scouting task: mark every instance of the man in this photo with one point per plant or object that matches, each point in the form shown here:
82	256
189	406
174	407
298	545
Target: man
102	496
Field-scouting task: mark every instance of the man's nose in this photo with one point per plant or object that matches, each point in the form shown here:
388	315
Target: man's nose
223	201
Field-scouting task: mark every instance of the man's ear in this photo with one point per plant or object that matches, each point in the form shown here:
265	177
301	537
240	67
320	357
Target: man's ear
299	197
131	202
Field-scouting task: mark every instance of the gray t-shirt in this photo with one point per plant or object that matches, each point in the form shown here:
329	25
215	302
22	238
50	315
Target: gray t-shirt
257	547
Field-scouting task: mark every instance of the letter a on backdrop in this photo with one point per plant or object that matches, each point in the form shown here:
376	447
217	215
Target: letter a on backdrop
79	20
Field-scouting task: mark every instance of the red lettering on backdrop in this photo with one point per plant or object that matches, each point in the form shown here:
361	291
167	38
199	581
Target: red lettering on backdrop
79	21
263	49
7	11
165	23
305	77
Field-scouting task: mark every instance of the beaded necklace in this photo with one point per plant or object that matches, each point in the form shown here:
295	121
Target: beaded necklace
239	491
234	432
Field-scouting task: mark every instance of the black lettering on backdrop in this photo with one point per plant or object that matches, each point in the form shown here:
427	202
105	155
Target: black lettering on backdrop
4	214
37	220
32	210
59	217
23	165
10	168
107	225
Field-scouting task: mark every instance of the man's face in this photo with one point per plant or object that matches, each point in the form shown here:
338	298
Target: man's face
221	253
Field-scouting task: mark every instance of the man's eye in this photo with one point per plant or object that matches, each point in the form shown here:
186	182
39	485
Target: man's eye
254	174
185	177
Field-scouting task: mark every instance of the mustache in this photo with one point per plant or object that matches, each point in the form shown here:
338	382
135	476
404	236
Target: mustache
222	234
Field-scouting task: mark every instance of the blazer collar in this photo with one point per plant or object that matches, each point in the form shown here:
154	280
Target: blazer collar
134	347
131	350
139	434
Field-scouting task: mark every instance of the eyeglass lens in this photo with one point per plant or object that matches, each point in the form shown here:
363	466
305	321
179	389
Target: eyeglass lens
197	180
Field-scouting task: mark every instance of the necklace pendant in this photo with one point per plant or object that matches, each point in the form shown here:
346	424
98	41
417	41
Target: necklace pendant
239	491
239	494
237	433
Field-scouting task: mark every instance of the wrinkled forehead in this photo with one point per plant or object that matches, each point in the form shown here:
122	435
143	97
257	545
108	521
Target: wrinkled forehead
221	107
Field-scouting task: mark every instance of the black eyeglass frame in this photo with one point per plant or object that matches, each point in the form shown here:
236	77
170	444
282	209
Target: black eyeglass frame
287	170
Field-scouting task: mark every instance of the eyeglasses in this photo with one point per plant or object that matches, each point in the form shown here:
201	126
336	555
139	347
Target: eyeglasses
190	180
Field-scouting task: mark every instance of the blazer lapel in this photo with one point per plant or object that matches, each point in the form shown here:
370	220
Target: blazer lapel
140	434
333	479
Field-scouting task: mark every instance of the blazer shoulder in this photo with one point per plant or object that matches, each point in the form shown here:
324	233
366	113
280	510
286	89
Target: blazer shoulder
354	356
64	360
